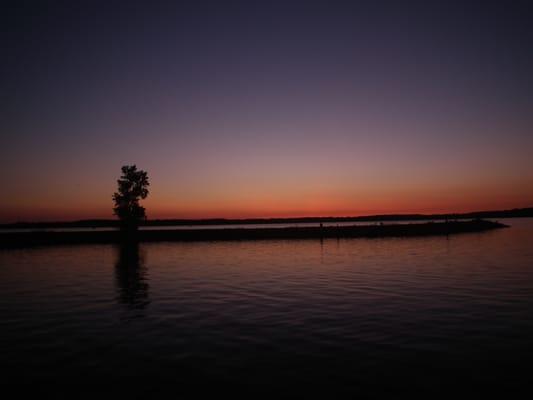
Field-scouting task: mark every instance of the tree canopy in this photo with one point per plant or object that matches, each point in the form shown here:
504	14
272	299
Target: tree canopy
132	187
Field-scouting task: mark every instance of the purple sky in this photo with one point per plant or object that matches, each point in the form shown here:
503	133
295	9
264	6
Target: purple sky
267	110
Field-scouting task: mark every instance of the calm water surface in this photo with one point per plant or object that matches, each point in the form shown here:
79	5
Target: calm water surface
378	315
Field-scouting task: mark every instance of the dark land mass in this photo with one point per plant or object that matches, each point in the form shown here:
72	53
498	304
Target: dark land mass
22	239
105	223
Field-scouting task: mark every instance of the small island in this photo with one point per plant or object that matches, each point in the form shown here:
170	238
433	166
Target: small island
23	239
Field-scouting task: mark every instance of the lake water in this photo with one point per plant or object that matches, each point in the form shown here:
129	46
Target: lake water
378	316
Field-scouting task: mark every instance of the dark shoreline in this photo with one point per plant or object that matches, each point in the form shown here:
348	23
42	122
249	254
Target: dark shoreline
25	239
110	223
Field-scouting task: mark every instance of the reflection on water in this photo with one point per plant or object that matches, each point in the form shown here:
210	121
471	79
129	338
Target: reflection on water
357	314
131	276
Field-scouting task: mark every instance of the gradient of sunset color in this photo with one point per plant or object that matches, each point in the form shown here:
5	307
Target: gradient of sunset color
247	110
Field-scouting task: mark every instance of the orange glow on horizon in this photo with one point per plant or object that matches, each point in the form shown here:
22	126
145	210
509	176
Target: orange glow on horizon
259	210
300	195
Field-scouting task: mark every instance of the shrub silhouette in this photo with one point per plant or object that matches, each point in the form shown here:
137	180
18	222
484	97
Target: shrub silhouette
132	186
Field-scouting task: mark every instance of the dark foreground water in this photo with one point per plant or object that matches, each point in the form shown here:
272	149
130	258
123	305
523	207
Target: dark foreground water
371	316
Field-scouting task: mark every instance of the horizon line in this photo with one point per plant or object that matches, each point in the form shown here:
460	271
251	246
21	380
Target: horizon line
318	217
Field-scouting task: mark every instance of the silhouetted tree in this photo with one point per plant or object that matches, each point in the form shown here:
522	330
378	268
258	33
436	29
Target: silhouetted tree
132	186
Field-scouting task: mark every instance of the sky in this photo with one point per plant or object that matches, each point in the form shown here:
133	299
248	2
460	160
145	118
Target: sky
266	109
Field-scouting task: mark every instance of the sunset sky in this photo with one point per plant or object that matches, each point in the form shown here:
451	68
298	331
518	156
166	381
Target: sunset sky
247	110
